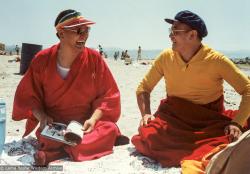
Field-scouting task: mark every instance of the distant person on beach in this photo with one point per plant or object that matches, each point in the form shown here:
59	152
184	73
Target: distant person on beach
139	53
66	82
116	55
127	59
126	55
123	55
17	50
100	50
192	120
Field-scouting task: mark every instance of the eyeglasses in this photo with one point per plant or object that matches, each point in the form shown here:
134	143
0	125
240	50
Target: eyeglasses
80	31
175	32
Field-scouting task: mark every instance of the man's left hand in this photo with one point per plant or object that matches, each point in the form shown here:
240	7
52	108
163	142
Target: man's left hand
89	125
233	131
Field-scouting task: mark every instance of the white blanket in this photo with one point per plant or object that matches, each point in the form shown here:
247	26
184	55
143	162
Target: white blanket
124	160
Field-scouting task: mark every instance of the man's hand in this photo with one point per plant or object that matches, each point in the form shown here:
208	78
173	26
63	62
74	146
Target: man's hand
146	119
89	125
42	117
233	131
45	120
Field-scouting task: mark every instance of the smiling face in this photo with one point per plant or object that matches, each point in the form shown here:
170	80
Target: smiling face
181	36
75	37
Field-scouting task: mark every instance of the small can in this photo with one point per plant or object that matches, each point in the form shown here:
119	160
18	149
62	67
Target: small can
2	123
2	108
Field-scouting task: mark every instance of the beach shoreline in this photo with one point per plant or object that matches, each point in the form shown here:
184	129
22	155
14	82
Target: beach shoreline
127	78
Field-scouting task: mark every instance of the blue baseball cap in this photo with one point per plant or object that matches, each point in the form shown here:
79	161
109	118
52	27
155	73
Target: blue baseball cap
191	19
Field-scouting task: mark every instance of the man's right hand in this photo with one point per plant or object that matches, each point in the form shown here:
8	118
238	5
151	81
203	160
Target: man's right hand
143	100
42	117
146	119
45	120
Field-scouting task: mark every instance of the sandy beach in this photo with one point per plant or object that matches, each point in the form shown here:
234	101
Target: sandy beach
127	78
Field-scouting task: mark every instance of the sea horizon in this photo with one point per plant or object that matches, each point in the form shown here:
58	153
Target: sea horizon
150	53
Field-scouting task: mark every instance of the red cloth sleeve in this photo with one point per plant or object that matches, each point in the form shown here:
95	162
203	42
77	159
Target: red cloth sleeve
29	93
108	94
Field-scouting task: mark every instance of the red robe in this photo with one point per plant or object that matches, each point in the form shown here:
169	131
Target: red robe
88	86
183	131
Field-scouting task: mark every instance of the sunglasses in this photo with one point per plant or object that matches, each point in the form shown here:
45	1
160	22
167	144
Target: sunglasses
80	31
175	32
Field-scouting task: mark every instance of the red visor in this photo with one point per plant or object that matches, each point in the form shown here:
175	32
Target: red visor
74	22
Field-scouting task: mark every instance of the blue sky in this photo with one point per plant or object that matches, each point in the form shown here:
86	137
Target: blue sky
126	23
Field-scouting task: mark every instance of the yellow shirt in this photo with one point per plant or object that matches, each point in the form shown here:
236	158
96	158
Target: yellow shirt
200	80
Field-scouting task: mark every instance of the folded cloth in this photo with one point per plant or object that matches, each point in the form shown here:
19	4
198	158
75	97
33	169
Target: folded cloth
183	131
233	159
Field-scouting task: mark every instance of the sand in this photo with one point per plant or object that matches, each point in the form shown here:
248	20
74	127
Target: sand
124	159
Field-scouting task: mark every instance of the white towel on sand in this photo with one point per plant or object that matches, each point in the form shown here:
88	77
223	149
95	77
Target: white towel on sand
124	160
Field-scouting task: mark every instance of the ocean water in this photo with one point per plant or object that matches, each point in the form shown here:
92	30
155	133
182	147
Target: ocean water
152	54
236	54
146	54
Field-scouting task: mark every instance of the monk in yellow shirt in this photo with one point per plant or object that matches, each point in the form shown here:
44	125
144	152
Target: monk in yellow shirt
192	120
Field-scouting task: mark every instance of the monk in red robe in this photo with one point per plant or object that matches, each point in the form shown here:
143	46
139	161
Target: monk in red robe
192	120
66	82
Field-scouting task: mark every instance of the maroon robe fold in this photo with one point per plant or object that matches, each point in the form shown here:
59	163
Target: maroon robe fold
183	131
88	86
